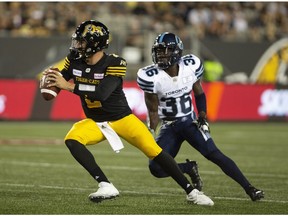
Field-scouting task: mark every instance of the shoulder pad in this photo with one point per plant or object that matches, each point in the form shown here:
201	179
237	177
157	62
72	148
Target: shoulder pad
116	66
66	63
146	77
194	63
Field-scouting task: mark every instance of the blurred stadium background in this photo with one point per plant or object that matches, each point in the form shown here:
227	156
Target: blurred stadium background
244	47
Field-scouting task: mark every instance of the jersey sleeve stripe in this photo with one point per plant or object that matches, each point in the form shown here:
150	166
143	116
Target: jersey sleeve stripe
116	71
123	69
199	71
66	63
117	68
145	85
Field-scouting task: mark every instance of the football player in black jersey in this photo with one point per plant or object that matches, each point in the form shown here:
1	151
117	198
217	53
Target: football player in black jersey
98	81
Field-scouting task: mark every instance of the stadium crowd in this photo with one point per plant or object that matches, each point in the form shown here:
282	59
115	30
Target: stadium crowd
256	21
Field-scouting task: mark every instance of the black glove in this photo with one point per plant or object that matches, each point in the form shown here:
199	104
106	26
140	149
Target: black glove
203	124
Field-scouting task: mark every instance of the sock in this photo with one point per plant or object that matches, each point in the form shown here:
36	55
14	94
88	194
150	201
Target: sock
169	165
86	159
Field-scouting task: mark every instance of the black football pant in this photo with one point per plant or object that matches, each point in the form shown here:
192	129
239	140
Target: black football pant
172	136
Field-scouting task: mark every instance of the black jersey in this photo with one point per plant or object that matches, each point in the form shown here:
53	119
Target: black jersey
99	86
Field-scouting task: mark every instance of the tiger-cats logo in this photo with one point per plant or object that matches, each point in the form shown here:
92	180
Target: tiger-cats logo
272	67
92	29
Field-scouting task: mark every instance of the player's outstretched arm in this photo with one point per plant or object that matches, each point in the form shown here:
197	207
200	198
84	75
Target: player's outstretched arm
151	101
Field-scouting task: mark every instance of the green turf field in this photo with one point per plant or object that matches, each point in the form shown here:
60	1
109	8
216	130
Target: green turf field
39	176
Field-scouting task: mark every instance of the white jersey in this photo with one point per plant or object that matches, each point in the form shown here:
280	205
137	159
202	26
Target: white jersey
174	93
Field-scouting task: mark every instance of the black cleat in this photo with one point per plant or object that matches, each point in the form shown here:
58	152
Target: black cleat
254	193
194	175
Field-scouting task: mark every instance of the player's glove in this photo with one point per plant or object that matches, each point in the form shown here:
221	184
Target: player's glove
203	124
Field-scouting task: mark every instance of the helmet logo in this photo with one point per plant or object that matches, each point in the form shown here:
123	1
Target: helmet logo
92	29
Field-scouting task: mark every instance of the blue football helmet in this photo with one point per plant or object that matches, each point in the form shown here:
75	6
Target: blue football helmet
167	50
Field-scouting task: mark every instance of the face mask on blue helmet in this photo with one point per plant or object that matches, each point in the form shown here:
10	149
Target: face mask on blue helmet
167	50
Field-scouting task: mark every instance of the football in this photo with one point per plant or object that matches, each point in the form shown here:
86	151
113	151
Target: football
48	93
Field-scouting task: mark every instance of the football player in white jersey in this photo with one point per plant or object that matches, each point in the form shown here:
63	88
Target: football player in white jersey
167	86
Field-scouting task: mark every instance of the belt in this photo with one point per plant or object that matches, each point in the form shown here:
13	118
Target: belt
174	120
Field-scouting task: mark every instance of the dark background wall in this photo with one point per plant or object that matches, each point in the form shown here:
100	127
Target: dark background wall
236	56
26	57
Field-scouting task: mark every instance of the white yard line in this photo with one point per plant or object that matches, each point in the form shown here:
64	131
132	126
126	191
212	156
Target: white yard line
130	192
129	168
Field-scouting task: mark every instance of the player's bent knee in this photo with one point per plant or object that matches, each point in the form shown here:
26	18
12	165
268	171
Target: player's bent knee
155	170
69	143
72	144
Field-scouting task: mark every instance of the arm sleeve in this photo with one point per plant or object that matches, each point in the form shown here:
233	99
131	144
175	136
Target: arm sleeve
114	74
101	92
201	103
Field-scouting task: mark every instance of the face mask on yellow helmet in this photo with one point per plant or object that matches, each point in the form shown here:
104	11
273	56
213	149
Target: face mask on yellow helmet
89	37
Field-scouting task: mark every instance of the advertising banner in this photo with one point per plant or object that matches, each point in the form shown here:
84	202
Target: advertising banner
17	98
21	100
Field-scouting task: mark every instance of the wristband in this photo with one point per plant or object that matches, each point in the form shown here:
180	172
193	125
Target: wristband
201	102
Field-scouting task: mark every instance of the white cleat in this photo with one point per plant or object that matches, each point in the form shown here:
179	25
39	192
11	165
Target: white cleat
105	191
198	197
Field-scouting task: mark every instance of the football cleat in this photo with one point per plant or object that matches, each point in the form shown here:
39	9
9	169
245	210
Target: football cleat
105	191
194	175
198	197
254	193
